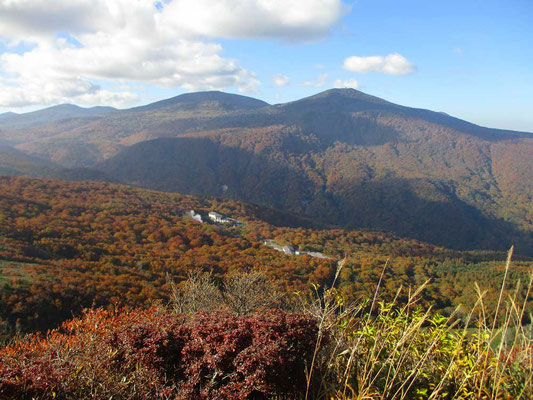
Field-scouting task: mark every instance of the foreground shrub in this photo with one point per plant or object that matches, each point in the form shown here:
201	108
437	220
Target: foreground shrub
241	294
154	354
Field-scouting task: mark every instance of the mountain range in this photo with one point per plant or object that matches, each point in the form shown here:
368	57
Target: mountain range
341	157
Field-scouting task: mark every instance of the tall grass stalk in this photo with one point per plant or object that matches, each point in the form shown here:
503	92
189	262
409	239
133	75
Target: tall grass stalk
384	350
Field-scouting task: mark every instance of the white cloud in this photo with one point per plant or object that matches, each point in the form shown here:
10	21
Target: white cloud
349	83
78	90
393	64
295	20
73	45
318	83
280	80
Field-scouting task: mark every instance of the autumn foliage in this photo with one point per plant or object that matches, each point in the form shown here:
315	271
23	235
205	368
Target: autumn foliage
66	246
154	354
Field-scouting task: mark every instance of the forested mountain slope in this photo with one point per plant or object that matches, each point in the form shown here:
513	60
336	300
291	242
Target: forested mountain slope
341	157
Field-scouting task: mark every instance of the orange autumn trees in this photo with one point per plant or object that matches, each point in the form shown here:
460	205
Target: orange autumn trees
65	246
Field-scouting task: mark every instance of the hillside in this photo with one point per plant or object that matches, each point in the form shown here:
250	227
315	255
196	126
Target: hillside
69	245
341	157
81	142
15	162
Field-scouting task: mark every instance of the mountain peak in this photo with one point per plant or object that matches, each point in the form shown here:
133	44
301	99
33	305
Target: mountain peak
339	91
8	114
228	101
334	100
65	106
350	94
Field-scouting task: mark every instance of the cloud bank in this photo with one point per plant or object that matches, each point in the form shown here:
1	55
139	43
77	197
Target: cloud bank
85	51
392	64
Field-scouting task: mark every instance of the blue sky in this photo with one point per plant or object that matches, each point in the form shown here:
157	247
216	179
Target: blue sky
472	59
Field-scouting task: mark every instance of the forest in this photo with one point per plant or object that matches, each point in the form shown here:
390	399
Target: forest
66	246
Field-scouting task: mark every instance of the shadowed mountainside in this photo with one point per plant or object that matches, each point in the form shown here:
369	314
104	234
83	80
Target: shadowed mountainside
420	208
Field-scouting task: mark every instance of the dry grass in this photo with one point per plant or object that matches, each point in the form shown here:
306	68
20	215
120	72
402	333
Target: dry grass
379	350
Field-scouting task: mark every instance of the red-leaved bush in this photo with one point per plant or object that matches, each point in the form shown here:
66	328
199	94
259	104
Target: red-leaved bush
153	354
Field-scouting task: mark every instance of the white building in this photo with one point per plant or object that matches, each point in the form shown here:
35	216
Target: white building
289	250
216	217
